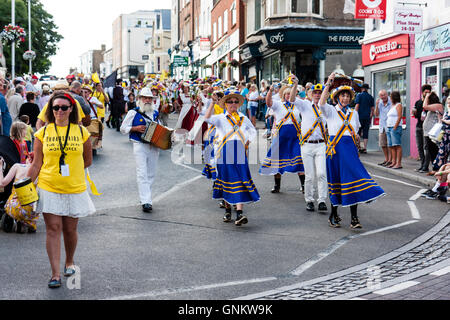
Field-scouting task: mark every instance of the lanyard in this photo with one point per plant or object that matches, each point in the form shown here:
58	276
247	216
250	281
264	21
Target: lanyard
63	154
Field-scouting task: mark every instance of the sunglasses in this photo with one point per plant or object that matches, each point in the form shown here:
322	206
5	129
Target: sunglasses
63	108
233	102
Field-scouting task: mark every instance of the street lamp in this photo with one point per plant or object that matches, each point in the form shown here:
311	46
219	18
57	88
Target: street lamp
13	46
29	35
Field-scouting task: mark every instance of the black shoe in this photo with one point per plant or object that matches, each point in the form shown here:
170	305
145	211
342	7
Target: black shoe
432	195
442	197
323	206
355	223
418	169
333	221
426	193
147	207
442	190
108	124
20	227
222	204
303	189
240	220
310	206
227	217
423	170
275	189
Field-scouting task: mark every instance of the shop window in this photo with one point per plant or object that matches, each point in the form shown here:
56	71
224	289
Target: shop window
391	80
445	77
266	75
299	6
288	64
275	68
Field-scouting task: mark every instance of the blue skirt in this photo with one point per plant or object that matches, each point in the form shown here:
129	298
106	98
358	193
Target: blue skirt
349	183
209	171
234	183
284	154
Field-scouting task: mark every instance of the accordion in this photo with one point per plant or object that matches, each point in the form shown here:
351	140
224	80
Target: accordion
157	135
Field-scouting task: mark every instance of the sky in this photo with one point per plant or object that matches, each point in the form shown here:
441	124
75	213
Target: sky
87	24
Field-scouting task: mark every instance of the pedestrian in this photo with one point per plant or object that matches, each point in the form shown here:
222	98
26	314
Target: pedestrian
30	108
419	113
146	156
131	104
60	165
382	106
395	130
31	87
30	132
75	90
441	186
313	146
365	107
15	102
235	131
45	96
244	91
101	95
444	143
284	155
435	112
6	120
253	101
25	216
349	183
188	113
117	106
18	133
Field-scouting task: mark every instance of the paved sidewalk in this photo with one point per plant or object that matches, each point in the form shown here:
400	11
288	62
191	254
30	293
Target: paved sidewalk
372	158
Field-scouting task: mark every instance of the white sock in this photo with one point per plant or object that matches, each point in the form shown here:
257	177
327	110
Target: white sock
436	186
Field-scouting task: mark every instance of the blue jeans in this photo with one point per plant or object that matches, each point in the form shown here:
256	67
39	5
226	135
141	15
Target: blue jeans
394	137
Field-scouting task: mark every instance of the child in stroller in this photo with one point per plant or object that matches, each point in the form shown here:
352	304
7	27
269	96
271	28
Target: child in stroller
25	216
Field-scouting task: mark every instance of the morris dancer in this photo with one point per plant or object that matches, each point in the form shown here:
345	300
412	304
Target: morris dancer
284	154
234	183
349	183
146	155
188	114
313	146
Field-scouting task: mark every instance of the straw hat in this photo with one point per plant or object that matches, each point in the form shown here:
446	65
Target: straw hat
340	89
146	92
231	93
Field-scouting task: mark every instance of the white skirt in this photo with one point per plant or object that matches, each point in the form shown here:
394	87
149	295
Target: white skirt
75	205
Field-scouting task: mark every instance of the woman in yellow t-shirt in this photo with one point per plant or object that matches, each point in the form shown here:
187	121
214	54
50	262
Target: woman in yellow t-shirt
62	151
101	95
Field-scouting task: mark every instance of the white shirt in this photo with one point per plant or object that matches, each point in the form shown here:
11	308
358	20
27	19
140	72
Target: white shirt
392	116
223	127
206	103
335	122
253	96
280	111
309	118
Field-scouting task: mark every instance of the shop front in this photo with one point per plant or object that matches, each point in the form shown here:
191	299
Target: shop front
386	67
308	52
430	64
224	53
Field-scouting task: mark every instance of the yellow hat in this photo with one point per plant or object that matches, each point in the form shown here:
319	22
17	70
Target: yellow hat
340	89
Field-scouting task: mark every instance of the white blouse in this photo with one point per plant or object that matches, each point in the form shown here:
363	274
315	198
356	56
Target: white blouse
280	112
309	118
223	127
335	122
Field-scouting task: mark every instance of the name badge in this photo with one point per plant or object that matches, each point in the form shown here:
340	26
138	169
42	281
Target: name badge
65	172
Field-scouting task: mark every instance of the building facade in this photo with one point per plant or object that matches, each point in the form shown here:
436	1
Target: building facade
160	43
132	37
91	60
310	38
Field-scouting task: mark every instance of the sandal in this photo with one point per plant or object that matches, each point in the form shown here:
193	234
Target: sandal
54	283
383	163
387	164
69	271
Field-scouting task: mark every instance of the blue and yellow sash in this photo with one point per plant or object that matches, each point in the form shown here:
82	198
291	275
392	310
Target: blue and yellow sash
317	123
345	126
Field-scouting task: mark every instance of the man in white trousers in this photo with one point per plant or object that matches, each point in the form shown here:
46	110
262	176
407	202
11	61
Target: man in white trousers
146	156
314	145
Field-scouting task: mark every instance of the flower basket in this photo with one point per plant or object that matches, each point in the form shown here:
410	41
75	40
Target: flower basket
12	34
233	63
206	66
222	65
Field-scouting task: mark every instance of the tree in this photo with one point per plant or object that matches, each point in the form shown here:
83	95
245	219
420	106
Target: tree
44	35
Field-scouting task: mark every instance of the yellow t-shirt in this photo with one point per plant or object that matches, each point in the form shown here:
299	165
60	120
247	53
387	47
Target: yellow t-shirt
50	178
101	97
29	135
81	114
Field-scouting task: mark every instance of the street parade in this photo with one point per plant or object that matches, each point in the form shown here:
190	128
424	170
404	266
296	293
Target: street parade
296	167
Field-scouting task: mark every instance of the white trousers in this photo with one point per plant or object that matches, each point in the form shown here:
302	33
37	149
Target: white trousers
146	157
314	161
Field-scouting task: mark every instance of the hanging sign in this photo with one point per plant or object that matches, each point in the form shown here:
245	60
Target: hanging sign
370	9
408	20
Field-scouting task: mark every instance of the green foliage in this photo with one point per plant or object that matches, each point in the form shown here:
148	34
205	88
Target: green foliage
44	35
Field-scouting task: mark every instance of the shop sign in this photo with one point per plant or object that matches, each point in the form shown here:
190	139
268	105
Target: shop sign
408	20
370	9
205	44
385	50
433	41
179	61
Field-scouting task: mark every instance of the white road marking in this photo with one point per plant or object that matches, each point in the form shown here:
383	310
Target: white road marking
417	195
190	289
175	188
398	181
396	288
441	272
414	211
322	255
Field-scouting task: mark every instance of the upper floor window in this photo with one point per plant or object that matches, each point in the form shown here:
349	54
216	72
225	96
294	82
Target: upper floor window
233	13
219	27
306	7
299	6
225	21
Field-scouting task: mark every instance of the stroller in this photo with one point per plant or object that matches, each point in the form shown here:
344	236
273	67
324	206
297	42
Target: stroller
10	155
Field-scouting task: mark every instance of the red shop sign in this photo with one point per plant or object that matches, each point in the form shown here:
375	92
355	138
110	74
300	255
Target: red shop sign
385	50
370	9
